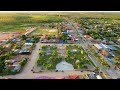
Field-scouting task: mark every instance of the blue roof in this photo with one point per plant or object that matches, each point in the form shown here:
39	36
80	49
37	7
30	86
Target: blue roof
111	47
5	66
110	60
111	53
61	41
21	51
65	32
101	45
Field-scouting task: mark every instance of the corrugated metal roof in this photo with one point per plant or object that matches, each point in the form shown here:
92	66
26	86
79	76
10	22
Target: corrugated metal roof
111	47
98	46
103	45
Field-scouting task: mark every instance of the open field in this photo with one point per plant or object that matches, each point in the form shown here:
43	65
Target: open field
44	31
19	22
12	28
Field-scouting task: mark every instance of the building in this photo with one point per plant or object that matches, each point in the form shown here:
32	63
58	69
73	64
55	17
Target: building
28	44
24	52
105	47
97	46
104	52
87	36
7	47
107	53
99	77
74	76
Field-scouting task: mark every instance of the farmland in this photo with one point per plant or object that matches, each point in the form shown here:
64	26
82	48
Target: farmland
18	22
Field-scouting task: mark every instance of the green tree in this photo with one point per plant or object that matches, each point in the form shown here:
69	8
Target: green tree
1	67
23	37
7	71
116	58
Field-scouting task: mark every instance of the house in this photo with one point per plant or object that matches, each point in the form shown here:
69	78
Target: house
70	41
10	66
87	36
24	52
7	47
76	38
65	32
17	67
5	41
111	48
91	76
16	51
118	40
104	52
28	44
109	59
97	46
74	76
61	41
107	54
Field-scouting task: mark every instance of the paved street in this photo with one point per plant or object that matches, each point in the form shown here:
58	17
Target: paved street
28	74
111	73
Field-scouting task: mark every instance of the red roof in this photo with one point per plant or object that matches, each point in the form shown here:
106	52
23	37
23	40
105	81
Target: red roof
60	77
17	32
74	76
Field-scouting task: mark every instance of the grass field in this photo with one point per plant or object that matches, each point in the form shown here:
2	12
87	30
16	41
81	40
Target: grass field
18	22
46	31
12	28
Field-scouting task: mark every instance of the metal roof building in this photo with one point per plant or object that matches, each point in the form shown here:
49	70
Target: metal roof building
97	46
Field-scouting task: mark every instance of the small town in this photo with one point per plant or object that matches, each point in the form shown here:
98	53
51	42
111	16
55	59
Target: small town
59	45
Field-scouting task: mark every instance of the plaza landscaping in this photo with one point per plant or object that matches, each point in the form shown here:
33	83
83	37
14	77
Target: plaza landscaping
76	55
48	57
